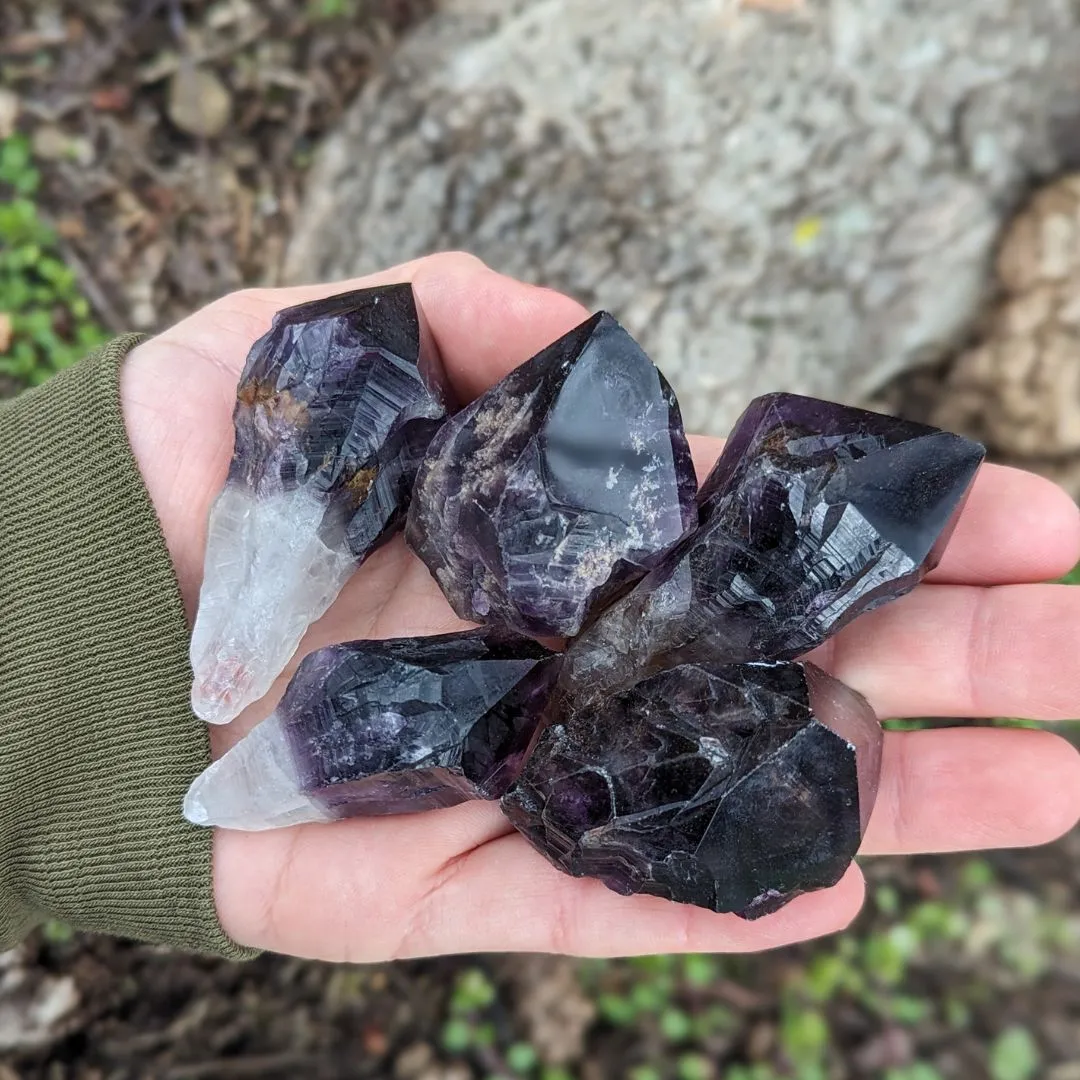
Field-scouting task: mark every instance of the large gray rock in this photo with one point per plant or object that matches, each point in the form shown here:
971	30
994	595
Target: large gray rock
805	201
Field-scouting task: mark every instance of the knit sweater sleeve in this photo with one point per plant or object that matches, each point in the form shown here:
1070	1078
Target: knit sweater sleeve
97	739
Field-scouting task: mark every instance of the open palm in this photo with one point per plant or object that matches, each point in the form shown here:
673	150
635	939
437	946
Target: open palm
979	639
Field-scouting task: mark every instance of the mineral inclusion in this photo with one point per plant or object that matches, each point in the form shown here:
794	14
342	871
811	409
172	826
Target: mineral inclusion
731	787
557	487
384	727
335	408
813	514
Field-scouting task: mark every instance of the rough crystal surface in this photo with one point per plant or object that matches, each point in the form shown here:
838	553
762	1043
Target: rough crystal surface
385	727
732	787
558	486
814	514
335	408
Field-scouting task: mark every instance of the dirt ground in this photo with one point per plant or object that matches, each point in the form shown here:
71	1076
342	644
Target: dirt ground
158	211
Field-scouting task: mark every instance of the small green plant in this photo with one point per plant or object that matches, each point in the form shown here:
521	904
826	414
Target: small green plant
466	1028
805	1037
57	933
521	1057
1014	1055
45	322
694	1067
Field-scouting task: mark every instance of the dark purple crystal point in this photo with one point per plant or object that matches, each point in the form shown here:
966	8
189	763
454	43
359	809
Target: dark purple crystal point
342	394
385	727
735	788
334	411
558	486
814	514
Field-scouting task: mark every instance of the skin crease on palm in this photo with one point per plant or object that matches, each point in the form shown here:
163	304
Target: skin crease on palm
980	638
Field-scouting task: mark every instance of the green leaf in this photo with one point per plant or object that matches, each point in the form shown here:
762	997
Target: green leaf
16	167
1014	1055
694	1067
675	1025
616	1009
650	996
887	900
885	955
906	1009
472	992
700	970
456	1036
521	1057
804	1034
57	933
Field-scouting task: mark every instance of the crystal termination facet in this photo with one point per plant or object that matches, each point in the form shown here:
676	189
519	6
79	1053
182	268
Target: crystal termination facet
557	487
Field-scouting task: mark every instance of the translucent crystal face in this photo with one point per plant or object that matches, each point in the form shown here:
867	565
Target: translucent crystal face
385	727
334	411
814	514
734	788
558	486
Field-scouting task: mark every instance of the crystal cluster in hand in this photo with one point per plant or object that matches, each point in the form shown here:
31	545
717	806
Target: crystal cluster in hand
560	485
335	408
678	747
385	727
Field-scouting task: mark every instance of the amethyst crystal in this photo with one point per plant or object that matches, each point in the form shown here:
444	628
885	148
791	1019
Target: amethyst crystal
335	408
735	788
814	513
558	486
384	727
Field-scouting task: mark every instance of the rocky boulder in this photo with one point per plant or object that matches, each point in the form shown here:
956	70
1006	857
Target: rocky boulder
804	199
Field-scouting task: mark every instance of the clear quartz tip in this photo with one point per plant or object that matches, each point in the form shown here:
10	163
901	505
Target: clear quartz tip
252	787
268	577
223	691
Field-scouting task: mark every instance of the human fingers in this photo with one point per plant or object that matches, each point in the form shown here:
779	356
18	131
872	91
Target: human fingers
959	650
965	789
377	889
483	322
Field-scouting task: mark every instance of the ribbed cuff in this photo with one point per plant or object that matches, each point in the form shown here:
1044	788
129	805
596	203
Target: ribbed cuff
97	739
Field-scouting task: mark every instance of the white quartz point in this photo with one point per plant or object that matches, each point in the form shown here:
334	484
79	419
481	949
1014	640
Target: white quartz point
253	786
267	577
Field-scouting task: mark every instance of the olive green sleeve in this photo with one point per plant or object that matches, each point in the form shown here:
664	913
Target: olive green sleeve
97	739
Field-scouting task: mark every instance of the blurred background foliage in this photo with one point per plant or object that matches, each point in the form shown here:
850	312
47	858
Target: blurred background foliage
45	321
958	967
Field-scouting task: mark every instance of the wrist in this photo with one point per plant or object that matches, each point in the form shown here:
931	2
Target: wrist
180	435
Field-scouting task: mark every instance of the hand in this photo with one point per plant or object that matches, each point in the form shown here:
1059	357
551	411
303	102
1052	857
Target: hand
978	639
